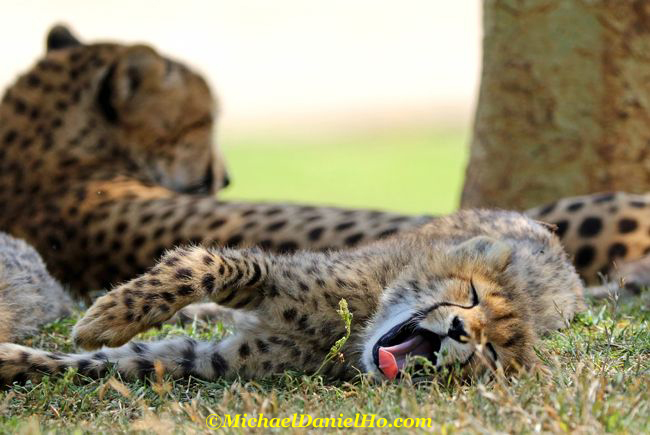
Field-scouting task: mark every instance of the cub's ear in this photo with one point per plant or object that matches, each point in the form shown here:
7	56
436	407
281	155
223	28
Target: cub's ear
138	71
483	250
60	37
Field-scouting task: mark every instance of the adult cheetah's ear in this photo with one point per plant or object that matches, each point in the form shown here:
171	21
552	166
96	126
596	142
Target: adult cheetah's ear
60	37
138	72
490	253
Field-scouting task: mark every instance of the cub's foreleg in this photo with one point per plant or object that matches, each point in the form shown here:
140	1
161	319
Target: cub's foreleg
183	276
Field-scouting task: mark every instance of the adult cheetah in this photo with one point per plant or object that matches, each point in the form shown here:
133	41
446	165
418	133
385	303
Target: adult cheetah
107	159
474	290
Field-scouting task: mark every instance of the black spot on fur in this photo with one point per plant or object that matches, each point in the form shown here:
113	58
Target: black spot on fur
287	247
10	136
207	282
315	233
185	290
183	273
219	364
216	224
170	261
138	348
262	346
562	227
168	297
585	256
276	225
208	260
82	366
234	240
188	357
590	227
353	239
617	250
266	245
244	350
145	367
575	206
273	291
345	225
637	204
627	225
290	314
547	209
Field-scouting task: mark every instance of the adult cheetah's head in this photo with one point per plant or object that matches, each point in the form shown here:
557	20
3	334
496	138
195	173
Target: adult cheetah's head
153	116
457	309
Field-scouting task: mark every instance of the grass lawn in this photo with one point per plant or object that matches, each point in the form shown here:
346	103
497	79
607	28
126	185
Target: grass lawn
414	171
595	378
594	375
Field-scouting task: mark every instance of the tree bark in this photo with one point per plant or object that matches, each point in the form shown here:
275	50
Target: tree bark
564	102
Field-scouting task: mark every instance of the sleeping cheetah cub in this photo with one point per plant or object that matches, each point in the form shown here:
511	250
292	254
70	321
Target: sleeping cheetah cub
29	296
472	289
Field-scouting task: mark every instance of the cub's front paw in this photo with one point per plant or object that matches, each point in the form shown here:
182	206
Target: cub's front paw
110	321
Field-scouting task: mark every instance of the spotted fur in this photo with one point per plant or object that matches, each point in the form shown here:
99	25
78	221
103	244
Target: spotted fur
606	234
487	284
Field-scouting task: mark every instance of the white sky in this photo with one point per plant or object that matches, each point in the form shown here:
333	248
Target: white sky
286	61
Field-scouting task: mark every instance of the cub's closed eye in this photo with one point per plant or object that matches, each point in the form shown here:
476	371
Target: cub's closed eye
474	293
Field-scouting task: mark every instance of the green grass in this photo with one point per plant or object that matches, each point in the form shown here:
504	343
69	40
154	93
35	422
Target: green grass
414	171
594	378
594	375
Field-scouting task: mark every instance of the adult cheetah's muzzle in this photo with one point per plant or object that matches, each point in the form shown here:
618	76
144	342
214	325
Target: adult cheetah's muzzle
391	351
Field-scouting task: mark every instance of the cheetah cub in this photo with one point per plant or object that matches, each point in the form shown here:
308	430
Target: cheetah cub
29	296
473	289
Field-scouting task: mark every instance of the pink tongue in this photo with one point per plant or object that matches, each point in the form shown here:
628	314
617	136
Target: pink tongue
387	364
391	359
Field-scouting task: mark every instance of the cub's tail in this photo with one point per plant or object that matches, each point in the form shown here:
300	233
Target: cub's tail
178	357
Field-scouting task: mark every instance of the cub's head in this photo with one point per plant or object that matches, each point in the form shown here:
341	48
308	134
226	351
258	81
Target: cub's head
456	308
125	106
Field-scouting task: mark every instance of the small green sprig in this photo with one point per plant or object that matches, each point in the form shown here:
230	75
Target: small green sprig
335	350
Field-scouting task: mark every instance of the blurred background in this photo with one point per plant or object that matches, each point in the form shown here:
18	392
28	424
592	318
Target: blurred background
364	103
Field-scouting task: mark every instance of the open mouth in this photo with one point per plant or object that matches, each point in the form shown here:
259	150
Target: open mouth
403	341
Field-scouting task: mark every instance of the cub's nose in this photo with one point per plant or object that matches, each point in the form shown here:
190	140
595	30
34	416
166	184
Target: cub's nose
226	181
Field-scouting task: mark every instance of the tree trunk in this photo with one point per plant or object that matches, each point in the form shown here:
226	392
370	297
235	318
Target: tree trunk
564	104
